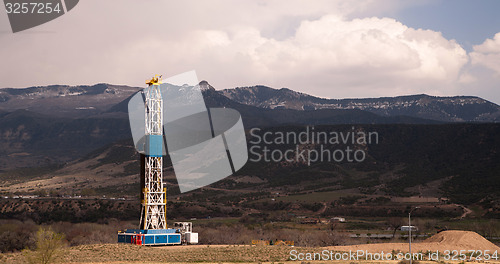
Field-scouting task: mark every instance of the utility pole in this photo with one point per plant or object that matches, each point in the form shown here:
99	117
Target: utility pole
409	230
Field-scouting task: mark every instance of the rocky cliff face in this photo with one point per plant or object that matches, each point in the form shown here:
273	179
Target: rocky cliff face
447	109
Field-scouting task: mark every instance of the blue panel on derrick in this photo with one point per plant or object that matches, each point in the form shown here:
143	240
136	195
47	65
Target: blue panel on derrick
145	237
122	238
154	145
148	240
161	239
174	239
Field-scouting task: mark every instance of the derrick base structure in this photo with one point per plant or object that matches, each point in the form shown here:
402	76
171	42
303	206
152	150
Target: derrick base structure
150	237
181	234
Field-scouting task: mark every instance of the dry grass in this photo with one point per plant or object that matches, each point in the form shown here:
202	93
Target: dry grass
124	253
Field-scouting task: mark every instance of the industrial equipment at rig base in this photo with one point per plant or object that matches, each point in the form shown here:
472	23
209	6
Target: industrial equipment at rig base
153	224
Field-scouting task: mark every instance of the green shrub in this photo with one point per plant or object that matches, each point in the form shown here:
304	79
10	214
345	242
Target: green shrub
50	247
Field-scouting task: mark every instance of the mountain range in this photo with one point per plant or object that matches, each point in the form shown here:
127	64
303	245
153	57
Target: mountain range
103	99
65	101
58	123
446	109
81	134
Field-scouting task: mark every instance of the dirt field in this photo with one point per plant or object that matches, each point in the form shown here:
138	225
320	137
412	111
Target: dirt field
447	240
124	253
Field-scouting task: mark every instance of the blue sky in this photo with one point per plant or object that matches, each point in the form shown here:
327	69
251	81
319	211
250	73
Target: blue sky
326	48
469	22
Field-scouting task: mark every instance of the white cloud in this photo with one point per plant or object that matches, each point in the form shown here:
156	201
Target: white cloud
481	76
369	57
318	48
487	54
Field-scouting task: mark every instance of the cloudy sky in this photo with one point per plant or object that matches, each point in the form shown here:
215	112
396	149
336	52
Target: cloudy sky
333	49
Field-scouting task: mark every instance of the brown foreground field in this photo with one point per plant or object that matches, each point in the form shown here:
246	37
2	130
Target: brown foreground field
124	253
